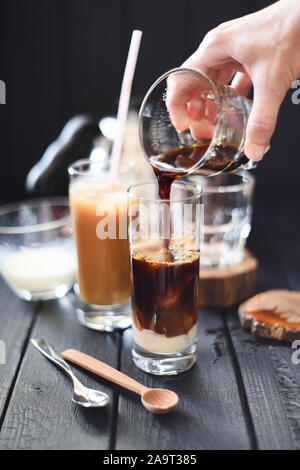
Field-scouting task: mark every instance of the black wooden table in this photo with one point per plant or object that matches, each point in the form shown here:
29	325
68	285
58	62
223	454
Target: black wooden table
243	392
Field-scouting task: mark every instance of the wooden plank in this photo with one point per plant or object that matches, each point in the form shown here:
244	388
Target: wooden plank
6	177
92	51
272	381
162	46
33	87
41	414
272	384
283	242
16	320
211	15
261	243
210	414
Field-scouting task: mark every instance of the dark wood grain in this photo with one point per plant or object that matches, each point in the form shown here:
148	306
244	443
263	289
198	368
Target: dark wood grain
283	243
63	57
265	244
16	320
92	54
210	414
41	414
272	384
271	380
32	44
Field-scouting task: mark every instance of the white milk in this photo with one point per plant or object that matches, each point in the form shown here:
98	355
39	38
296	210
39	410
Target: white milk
39	269
158	343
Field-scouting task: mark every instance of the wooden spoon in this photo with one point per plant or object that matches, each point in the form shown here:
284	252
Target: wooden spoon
156	400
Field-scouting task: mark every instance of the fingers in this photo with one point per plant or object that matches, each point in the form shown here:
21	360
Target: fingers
211	55
188	104
203	129
189	110
263	117
242	83
181	89
196	108
225	75
202	119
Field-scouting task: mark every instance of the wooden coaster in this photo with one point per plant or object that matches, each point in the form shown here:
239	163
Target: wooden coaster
224	287
273	314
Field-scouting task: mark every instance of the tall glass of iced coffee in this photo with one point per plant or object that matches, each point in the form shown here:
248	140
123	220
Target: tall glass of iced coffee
100	217
164	237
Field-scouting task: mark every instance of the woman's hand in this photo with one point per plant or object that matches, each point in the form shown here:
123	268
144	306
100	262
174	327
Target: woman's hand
261	49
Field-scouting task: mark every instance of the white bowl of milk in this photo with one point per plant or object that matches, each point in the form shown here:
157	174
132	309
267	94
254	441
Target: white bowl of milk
37	257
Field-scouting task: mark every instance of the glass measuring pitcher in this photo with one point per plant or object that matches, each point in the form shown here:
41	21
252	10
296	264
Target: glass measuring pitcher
189	123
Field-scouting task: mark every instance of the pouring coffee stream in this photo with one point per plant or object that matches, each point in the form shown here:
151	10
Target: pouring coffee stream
165	166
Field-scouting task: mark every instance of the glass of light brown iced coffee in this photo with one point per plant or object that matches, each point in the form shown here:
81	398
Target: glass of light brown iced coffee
100	215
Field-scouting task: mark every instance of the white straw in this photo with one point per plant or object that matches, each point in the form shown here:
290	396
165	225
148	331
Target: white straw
124	103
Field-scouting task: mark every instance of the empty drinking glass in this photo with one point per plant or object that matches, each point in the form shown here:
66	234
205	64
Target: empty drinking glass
227	200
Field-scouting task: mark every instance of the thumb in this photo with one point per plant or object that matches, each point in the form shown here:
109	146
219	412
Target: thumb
262	119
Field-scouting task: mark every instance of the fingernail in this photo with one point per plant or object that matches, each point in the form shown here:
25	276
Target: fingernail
255	152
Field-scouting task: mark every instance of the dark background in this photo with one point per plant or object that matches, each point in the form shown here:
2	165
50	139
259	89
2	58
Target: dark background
63	57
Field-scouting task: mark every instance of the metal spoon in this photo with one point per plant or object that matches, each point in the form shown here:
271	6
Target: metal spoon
82	395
